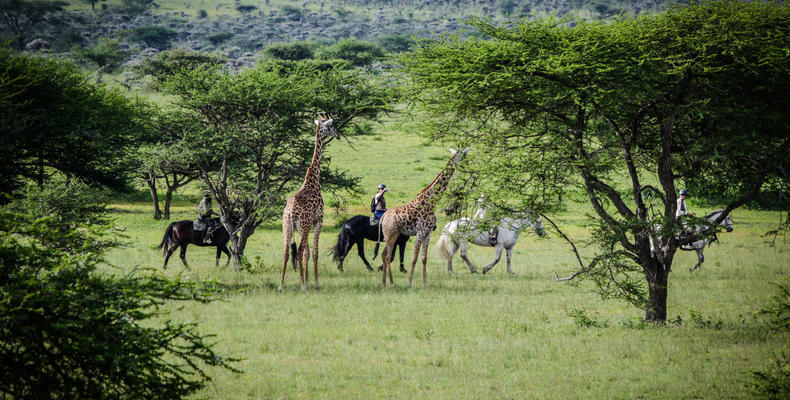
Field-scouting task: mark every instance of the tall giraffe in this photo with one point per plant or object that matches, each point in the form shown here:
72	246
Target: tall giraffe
416	218
305	209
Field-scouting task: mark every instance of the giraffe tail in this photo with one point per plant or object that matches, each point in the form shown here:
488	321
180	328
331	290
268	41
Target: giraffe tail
293	255
442	244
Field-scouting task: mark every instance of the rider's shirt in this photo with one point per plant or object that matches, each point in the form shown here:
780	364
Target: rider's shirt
681	208
204	208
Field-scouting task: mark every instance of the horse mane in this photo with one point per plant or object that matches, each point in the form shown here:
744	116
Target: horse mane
713	213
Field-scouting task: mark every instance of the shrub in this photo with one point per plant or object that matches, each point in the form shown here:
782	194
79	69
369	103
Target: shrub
153	36
202	13
218	38
107	54
167	63
292	13
359	53
244	8
395	43
293	51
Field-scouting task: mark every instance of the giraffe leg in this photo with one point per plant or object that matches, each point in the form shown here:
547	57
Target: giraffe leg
288	234
386	257
417	245
425	260
304	255
316	235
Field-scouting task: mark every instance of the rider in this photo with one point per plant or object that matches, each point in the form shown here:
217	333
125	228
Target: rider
682	211
379	204
480	214
204	213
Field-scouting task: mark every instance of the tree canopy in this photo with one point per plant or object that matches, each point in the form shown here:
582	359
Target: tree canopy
53	118
614	112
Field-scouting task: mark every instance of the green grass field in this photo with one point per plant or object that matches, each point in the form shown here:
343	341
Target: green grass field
468	336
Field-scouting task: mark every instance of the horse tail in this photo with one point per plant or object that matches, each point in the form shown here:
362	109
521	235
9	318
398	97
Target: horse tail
166	239
293	254
442	244
340	250
376	250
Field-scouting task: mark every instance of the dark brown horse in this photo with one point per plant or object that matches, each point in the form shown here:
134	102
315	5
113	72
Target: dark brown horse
181	233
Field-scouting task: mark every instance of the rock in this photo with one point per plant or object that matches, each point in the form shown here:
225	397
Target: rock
37	44
149	51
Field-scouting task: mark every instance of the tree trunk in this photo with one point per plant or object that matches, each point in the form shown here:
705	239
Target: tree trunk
657	277
150	179
238	242
168	199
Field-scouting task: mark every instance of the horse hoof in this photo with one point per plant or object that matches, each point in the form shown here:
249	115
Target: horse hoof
381	268
474	271
280	289
403	270
340	269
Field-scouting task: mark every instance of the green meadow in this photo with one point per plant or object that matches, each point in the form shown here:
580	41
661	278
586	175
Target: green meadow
466	336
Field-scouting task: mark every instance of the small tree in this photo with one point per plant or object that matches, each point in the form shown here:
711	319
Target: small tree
254	138
691	94
107	55
293	51
158	37
20	16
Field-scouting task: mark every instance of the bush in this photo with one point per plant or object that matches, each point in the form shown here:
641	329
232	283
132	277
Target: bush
153	36
67	39
167	63
107	55
218	38
396	43
202	13
294	51
292	13
244	9
359	53
67	331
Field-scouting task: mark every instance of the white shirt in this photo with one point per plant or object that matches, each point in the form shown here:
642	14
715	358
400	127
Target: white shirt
682	209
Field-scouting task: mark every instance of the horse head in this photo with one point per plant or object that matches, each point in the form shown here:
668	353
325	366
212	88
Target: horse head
726	222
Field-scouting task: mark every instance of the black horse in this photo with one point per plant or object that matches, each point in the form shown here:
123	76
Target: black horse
354	232
181	234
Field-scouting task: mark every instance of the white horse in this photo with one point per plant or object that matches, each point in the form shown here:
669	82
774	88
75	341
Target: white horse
462	231
698	245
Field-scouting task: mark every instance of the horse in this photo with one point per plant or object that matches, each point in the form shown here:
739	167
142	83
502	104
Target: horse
699	245
462	231
182	233
354	232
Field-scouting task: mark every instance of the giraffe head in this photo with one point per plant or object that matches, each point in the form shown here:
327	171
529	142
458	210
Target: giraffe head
457	156
326	127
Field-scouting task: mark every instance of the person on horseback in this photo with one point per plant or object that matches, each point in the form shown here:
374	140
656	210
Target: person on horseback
378	206
682	211
203	222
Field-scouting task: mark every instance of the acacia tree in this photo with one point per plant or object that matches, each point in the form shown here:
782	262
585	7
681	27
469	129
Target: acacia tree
617	112
254	137
19	17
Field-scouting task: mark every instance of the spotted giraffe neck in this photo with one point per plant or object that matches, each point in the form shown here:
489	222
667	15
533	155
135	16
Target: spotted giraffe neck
313	174
431	193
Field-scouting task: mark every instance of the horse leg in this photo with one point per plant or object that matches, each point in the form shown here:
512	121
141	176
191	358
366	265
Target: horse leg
700	259
219	254
417	245
425	260
508	257
184	255
499	249
169	253
464	248
316	234
361	252
402	248
453	250
224	249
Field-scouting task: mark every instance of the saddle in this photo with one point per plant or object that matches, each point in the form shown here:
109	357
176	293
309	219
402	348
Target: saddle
201	223
373	220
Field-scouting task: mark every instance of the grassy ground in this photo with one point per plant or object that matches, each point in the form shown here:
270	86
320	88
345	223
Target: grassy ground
469	336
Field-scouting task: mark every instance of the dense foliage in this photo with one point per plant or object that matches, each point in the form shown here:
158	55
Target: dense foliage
53	118
358	52
68	332
694	94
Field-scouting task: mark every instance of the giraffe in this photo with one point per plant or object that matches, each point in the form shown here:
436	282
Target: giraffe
416	218
305	209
